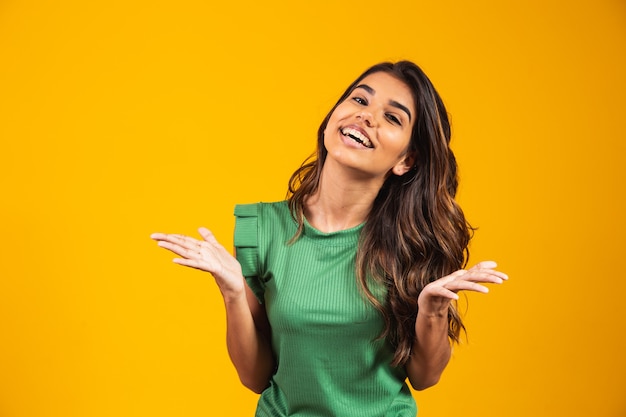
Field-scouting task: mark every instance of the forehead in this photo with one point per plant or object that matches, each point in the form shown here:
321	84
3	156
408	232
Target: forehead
388	87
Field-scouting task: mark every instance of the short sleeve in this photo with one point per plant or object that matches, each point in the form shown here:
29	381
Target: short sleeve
247	246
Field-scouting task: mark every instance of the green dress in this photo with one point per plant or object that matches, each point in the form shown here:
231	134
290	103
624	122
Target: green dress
328	362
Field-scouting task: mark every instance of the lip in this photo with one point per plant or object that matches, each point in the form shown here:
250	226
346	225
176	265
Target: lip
351	140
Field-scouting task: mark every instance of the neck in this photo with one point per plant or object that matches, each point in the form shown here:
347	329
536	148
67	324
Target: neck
343	200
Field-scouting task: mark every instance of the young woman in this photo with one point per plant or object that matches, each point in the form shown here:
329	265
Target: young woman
340	294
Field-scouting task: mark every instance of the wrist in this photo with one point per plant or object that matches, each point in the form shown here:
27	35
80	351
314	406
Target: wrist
433	315
431	321
232	296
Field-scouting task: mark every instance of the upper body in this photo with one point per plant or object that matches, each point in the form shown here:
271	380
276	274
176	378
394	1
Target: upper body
323	331
383	161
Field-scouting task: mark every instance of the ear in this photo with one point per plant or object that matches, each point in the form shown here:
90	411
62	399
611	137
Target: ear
404	165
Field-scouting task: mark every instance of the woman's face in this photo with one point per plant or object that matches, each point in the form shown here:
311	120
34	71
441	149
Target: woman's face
370	130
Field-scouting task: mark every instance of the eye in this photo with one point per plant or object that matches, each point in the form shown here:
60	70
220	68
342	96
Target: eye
393	119
360	100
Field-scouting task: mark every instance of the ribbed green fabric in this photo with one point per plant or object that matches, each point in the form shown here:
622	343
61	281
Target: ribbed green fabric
323	330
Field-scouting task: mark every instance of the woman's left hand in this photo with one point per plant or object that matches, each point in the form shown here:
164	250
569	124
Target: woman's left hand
436	296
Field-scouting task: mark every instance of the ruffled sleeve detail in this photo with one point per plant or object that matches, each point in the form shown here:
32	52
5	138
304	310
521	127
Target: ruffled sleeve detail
247	246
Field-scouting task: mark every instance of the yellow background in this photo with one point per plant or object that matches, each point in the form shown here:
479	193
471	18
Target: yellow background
122	118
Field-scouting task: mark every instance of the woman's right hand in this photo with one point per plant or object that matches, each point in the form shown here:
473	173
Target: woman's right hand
206	255
247	331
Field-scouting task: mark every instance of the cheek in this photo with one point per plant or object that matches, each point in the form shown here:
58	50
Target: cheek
332	124
400	141
327	129
340	112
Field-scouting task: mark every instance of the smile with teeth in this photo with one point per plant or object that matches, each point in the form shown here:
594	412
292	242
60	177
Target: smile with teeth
357	136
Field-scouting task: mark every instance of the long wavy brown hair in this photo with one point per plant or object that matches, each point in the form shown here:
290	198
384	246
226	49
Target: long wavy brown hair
415	232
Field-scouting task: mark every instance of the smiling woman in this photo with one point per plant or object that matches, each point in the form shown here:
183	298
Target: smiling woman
340	294
371	130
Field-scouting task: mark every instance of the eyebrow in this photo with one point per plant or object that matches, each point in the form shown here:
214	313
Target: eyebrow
391	102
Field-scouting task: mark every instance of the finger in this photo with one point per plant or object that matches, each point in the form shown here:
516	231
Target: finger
178	249
489	265
158	236
207	235
484	265
181	240
199	264
166	236
444	293
452	276
192	263
161	236
489	275
500	275
460	285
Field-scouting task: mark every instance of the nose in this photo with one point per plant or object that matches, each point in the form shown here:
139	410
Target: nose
367	118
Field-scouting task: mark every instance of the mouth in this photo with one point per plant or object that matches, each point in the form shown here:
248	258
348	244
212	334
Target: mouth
357	136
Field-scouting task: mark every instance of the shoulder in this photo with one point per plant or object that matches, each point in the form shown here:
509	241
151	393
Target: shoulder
269	222
278	209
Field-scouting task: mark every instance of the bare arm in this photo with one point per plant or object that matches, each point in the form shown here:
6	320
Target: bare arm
431	349
248	341
247	328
